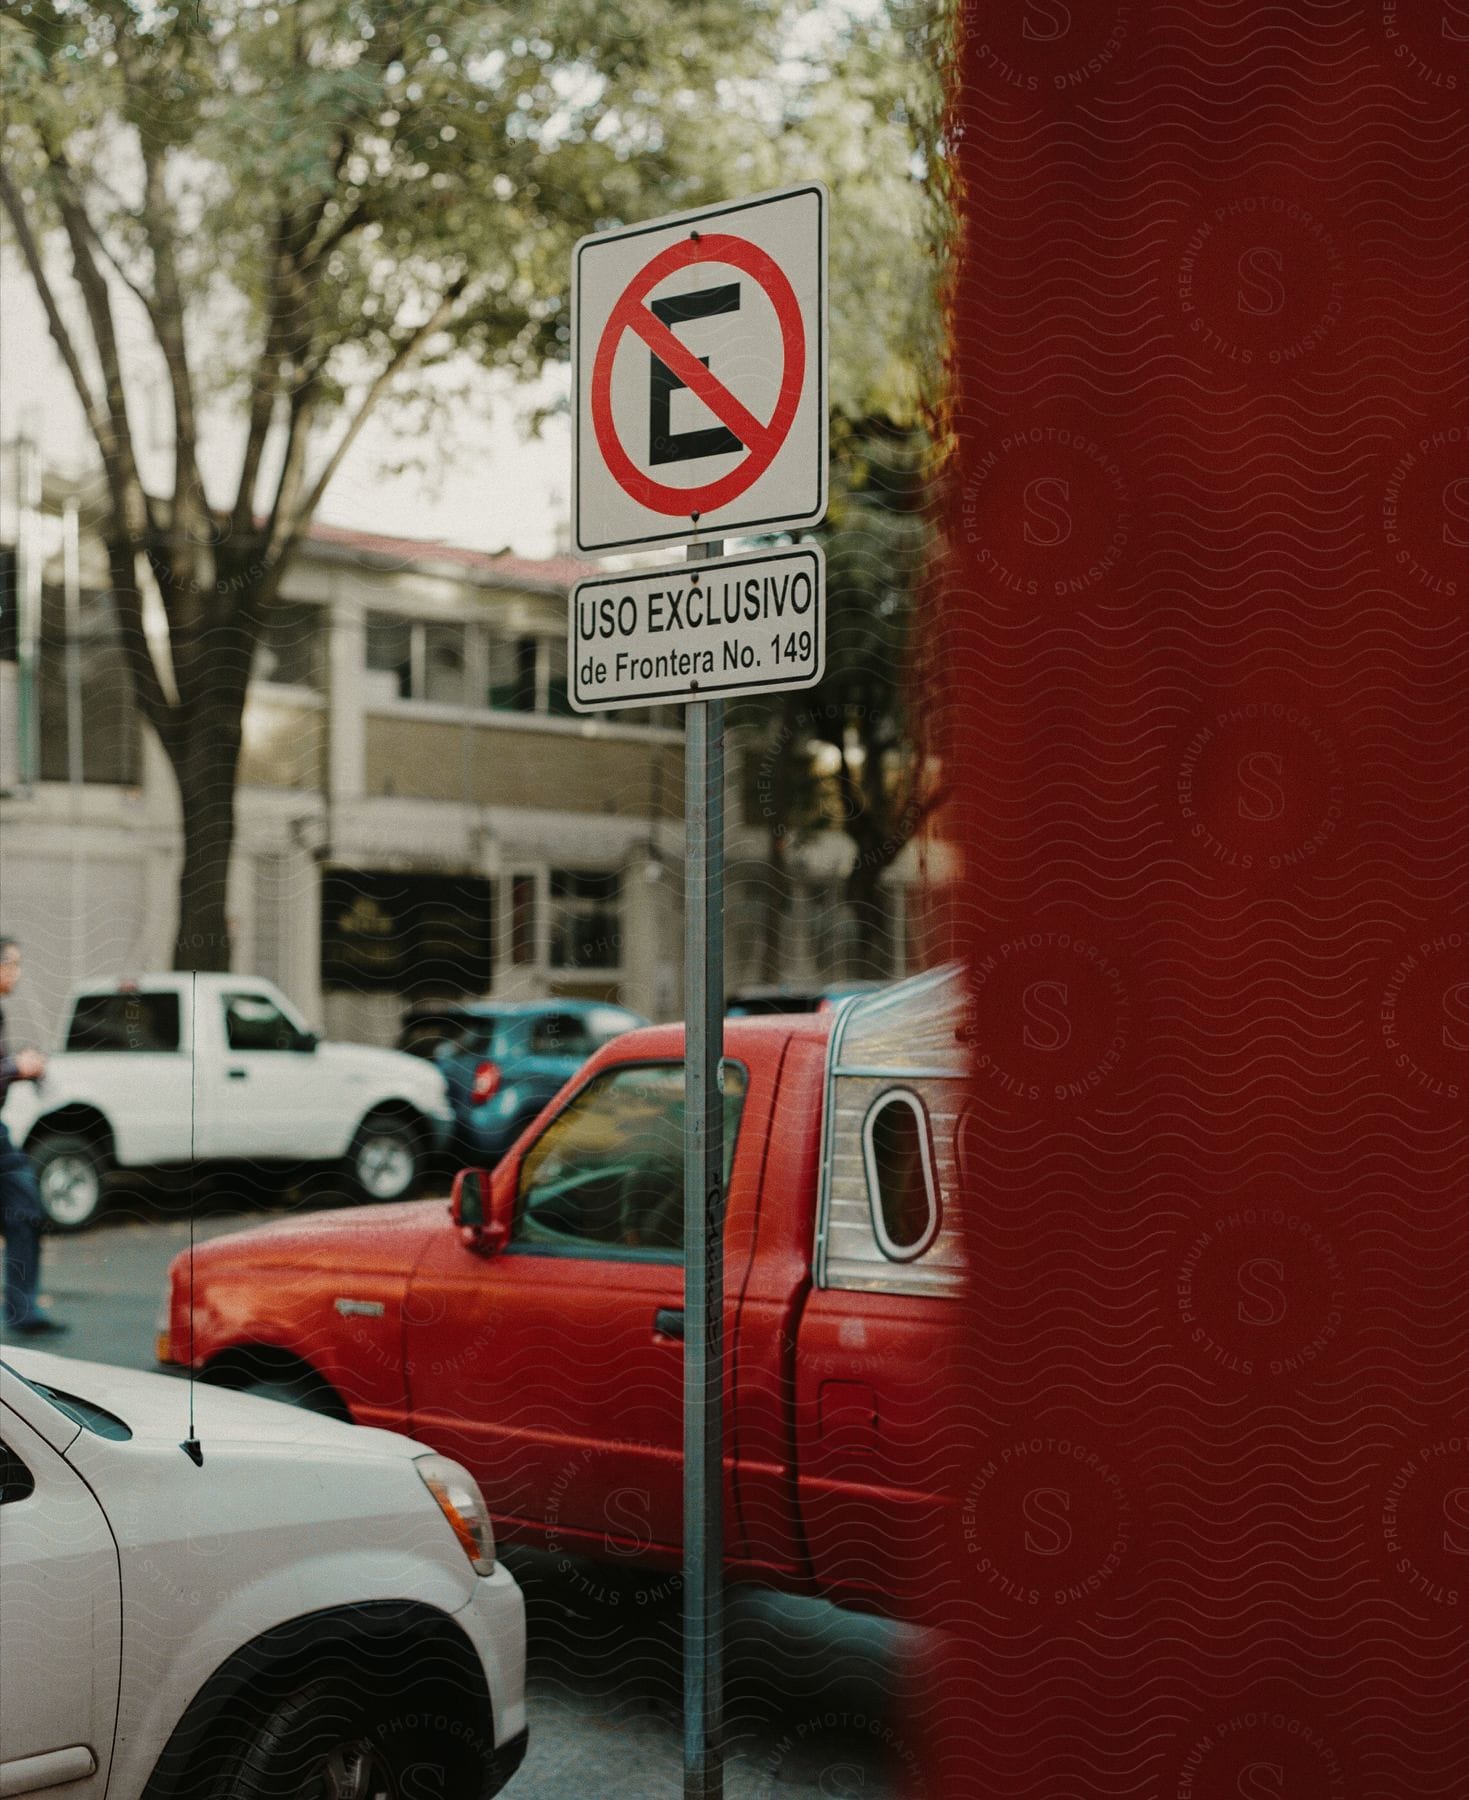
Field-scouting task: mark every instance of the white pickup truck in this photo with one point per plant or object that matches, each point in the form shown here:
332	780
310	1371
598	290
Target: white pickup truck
171	1070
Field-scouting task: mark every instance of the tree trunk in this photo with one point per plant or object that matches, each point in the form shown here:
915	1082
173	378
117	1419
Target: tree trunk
205	756
202	738
776	909
769	769
872	950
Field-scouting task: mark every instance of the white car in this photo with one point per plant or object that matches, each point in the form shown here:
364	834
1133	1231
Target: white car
276	1605
185	1069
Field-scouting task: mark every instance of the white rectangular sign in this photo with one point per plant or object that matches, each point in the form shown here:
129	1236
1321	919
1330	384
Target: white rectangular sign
701	631
699	352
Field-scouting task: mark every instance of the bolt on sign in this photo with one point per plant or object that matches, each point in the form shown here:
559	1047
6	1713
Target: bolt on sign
700	630
699	351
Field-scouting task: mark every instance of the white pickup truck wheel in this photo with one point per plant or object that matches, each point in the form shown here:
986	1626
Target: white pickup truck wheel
386	1157
70	1170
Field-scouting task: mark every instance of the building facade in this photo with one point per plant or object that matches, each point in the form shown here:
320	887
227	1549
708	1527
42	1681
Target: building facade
420	814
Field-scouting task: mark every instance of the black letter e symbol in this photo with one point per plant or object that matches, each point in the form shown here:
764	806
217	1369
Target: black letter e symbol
665	446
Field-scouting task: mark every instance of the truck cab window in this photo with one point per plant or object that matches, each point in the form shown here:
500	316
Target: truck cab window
897	1147
607	1174
252	1022
124	1021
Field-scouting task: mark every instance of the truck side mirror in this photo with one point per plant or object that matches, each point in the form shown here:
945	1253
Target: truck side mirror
481	1207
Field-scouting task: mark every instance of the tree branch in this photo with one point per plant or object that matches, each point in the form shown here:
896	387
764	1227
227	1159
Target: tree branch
30	250
318	251
167	315
264	386
114	262
287	526
264	383
293	457
122	540
296	253
306	228
117	443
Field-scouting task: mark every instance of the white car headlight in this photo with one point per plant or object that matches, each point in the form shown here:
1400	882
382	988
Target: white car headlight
463	1506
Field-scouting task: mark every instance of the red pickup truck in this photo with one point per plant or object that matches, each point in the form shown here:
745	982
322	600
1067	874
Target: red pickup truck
542	1347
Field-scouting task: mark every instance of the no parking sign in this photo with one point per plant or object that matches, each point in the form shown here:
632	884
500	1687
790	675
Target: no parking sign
699	375
699	348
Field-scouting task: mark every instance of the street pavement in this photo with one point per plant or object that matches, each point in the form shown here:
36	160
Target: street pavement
812	1691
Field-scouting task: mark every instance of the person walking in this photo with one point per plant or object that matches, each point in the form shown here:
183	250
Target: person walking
21	1213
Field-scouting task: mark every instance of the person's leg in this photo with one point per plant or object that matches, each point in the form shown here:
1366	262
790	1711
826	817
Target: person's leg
21	1218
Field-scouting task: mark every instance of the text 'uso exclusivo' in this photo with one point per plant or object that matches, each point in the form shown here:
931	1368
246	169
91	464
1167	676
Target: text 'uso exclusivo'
697	605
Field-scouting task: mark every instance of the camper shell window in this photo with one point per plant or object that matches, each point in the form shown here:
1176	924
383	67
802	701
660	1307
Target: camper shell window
902	1186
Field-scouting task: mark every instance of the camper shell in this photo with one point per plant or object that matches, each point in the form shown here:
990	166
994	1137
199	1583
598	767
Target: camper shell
890	1172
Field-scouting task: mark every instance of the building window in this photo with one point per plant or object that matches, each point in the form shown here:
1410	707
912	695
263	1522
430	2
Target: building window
423	659
462	665
586	919
9	601
666	718
511	679
106	722
527	674
558	702
288	652
522	920
390	651
444	665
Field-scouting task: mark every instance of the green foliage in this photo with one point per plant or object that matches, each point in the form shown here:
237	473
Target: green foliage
391	149
844	755
849	753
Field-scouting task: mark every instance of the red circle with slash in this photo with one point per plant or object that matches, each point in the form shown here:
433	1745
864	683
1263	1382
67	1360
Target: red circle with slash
761	441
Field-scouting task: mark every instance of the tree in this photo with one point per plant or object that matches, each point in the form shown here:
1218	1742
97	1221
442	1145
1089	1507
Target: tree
312	203
846	755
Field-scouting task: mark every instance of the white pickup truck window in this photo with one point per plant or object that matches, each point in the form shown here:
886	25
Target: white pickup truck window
252	1022
124	1021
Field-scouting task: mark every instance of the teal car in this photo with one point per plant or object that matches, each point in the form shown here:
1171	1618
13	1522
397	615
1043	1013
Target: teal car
503	1060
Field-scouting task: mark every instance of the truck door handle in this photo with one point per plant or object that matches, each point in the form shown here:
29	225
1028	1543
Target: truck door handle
237	1074
668	1322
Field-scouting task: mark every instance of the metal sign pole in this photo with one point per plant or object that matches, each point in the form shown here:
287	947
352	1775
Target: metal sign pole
646	636
703	1492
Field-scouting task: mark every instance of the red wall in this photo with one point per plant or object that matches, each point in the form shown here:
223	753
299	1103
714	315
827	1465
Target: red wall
1204	651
